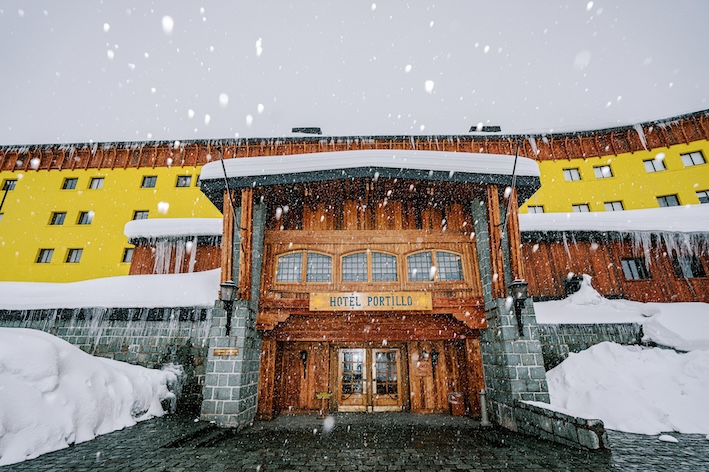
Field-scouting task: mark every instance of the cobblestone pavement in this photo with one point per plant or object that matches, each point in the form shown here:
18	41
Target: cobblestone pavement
358	442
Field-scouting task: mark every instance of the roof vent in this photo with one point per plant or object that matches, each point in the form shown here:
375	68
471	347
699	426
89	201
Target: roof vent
485	129
307	130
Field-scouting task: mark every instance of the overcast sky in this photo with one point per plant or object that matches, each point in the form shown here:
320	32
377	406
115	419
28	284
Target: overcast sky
78	71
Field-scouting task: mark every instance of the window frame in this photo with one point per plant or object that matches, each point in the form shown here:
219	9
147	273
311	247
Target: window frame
535	207
369	255
85	218
598	171
70	183
694	266
705	196
622	206
99	186
9	185
434	262
128	253
688	158
55	216
71	255
576	208
637	270
180	177
652	167
303	267
140	212
572	174
664	198
149	181
40	259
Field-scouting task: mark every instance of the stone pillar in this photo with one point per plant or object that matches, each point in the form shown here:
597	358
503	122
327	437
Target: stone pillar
232	377
513	366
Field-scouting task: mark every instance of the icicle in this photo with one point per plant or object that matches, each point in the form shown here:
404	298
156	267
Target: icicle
641	135
193	255
533	143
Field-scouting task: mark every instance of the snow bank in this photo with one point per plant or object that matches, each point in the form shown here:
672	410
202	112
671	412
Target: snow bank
173	227
53	395
634	389
130	291
683	326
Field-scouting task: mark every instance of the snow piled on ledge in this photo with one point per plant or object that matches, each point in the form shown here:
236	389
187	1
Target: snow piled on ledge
173	228
53	395
466	162
129	291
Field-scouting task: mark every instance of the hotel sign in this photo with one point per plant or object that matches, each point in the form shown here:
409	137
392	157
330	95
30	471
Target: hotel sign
371	301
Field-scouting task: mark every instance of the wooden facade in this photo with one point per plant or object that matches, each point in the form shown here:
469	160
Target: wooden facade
207	257
552	259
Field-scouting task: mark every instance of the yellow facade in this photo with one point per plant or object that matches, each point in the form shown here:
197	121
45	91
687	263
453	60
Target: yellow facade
27	212
630	184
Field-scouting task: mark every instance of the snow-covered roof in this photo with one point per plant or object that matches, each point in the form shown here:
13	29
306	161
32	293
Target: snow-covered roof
127	291
684	219
397	159
173	227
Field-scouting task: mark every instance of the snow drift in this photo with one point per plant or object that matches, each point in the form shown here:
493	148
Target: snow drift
53	395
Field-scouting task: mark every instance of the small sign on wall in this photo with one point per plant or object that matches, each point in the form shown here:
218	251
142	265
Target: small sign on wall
371	301
225	352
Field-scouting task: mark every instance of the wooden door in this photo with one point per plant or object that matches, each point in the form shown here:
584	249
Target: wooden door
386	380
352	380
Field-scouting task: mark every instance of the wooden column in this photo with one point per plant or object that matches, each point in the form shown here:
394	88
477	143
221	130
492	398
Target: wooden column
227	239
475	377
497	258
514	237
267	380
246	232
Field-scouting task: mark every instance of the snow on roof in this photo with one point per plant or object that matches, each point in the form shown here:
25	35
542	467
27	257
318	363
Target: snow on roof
451	162
173	227
685	219
128	291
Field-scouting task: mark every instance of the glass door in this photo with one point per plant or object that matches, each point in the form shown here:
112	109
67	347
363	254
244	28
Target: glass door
386	382
352	380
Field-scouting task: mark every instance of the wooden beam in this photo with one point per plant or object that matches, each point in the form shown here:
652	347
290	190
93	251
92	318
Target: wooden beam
514	237
497	259
227	239
246	231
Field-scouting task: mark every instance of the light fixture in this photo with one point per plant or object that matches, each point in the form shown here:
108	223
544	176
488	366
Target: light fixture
304	360
518	292
227	296
424	354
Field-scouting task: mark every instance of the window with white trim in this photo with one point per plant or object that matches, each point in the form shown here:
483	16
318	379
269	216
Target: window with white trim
140	214
614	206
693	158
69	183
603	172
96	183
127	255
149	181
57	218
668	201
45	256
572	174
183	181
581	208
85	218
73	256
535	209
703	196
654	165
9	184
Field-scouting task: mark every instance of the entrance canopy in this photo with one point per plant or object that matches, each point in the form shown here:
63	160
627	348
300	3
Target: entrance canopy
494	169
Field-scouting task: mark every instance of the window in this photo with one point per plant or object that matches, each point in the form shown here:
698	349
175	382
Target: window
354	267
703	196
688	267
693	158
127	255
572	174
654	165
603	172
446	266
581	208
70	183
9	184
57	218
149	181
45	256
85	218
73	256
535	209
668	201
1	216
140	215
96	183
614	206
318	267
383	267
634	269
183	181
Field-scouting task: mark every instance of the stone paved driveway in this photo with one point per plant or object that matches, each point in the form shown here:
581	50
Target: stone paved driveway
358	442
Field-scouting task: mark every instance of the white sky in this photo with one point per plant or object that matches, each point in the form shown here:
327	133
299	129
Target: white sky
79	71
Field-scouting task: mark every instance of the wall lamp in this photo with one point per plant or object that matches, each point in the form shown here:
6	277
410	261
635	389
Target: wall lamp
228	295
304	360
518	292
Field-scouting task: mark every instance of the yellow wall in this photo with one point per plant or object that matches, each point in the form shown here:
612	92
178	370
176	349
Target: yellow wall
25	228
631	183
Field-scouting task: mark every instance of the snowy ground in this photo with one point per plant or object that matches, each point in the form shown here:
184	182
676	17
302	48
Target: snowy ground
632	388
53	395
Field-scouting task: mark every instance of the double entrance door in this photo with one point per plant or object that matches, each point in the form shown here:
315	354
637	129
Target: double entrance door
369	379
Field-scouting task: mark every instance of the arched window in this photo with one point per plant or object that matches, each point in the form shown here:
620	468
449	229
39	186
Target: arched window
358	266
439	266
318	267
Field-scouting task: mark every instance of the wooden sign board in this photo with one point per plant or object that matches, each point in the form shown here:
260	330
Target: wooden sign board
225	352
371	301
